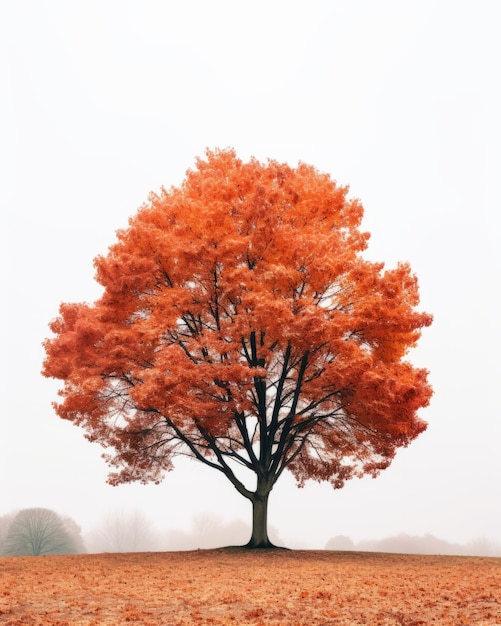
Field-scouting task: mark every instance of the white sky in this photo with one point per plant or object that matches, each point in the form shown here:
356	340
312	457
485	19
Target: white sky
104	101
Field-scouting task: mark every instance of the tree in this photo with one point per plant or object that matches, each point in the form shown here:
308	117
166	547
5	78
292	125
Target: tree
240	325
75	533
123	531
38	531
5	522
340	542
210	531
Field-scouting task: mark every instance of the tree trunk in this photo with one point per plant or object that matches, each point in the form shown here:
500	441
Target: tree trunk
259	538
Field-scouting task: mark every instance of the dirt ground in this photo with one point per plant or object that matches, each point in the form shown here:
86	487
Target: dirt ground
231	586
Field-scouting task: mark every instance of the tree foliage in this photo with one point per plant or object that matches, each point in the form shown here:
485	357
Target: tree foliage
241	325
38	531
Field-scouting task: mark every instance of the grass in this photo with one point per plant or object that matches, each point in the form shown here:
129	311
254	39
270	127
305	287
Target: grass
237	587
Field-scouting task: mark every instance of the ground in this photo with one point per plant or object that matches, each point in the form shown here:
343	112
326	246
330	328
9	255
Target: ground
260	588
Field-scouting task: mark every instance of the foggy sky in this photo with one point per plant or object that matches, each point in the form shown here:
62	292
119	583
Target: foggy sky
104	102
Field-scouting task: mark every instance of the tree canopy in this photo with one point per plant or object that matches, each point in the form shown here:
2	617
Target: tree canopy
38	531
241	325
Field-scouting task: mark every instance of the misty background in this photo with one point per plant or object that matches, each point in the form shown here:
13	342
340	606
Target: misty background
103	102
131	531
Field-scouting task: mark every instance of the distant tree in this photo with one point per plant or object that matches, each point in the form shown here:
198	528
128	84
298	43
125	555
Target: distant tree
410	544
240	325
38	531
5	522
205	526
340	542
210	531
483	547
123	531
416	544
75	532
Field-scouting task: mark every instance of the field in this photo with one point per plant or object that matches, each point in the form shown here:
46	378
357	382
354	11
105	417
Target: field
234	587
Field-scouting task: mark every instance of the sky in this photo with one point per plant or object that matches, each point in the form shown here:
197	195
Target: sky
103	102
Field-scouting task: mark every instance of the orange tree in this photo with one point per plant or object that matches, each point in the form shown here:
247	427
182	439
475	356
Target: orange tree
240	325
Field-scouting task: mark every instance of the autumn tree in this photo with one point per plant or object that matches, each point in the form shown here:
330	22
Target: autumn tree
38	531
240	325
